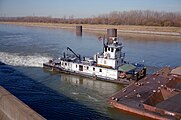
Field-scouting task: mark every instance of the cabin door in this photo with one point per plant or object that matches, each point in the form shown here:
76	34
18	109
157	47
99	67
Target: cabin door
80	67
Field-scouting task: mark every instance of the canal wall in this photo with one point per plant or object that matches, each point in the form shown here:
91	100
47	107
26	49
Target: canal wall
12	108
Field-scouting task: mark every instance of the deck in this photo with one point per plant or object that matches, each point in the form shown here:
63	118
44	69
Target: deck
155	96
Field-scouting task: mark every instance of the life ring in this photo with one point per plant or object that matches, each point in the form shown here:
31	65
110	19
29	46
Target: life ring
108	55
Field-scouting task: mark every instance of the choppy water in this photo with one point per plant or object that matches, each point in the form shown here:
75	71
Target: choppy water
61	96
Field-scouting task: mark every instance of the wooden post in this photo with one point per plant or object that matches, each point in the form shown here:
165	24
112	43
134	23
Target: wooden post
79	30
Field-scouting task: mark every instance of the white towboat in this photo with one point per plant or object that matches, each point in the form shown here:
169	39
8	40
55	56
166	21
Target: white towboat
109	65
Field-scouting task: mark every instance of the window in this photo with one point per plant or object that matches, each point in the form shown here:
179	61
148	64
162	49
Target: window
100	70
112	49
106	49
65	63
76	66
117	49
80	67
93	69
87	67
109	49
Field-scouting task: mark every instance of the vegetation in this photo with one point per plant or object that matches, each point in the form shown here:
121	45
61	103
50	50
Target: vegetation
134	17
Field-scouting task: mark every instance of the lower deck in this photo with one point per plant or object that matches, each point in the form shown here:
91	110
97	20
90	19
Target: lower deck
80	73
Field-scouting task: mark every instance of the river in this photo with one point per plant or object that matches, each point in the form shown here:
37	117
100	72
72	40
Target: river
61	96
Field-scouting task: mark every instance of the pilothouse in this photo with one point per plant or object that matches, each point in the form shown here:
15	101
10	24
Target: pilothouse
112	56
108	65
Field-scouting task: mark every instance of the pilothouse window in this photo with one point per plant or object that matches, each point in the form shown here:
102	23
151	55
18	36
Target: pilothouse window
117	49
105	49
112	49
109	49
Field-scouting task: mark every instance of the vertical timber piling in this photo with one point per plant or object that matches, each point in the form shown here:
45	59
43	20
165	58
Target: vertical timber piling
78	30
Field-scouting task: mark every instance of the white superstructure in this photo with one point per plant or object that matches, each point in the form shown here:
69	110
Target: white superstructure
103	65
112	56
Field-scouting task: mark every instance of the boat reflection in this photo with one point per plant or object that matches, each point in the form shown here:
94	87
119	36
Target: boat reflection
101	87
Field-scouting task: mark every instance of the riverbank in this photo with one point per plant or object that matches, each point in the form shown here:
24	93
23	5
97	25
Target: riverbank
126	31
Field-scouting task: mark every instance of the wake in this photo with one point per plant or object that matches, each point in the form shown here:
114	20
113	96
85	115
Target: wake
19	60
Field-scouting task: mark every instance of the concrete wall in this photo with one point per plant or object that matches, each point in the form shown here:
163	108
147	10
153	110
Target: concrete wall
12	108
3	116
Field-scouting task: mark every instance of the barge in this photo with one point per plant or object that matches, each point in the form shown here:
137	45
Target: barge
157	96
108	65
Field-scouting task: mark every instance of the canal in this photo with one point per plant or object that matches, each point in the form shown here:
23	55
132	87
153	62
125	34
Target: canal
61	96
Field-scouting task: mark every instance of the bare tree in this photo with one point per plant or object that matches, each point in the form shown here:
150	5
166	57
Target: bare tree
133	17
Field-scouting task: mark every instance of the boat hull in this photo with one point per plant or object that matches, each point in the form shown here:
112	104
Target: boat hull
55	68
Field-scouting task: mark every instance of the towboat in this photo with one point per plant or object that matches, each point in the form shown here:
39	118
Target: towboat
108	65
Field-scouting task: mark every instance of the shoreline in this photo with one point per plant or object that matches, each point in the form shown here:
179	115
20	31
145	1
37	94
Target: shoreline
124	31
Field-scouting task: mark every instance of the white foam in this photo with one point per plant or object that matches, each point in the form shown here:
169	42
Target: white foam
19	60
90	97
75	93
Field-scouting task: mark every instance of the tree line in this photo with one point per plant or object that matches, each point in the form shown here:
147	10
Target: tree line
133	17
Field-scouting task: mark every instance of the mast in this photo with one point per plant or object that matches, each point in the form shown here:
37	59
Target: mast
103	43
